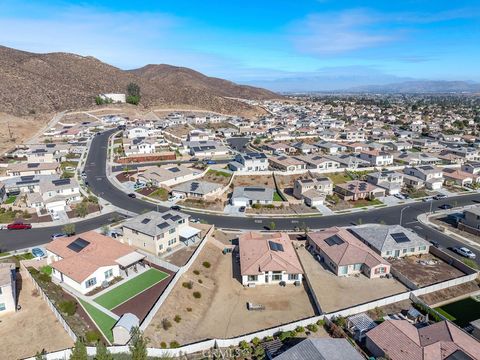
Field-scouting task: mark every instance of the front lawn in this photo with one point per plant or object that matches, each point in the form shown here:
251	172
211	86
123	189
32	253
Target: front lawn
11	199
339	178
365	202
103	321
277	197
160	194
131	288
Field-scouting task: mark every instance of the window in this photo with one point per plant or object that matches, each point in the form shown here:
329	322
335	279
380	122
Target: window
380	270
357	267
108	274
160	247
90	282
171	231
292	276
172	241
389	253
343	270
276	276
0	290
404	251
412	249
252	277
422	248
2	306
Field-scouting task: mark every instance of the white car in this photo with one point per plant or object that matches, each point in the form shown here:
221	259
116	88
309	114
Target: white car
55	216
463	251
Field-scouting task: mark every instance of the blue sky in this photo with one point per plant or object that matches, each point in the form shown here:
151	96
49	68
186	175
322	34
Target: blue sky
247	41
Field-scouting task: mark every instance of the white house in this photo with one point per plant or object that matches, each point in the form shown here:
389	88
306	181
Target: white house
8	292
249	162
432	176
376	157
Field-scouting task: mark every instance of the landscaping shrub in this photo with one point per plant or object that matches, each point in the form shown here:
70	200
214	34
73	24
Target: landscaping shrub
299	329
312	327
188	284
200	281
177	318
244	345
206	264
284	335
174	344
166	324
197	295
255	341
92	336
196	272
163	345
68	307
189	309
321	322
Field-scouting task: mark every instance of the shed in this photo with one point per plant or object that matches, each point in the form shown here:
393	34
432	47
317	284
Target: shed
123	327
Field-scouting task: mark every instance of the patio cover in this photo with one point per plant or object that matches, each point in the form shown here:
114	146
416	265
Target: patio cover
129	259
187	232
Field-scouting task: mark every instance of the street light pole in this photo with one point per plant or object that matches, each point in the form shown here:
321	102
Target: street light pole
401	214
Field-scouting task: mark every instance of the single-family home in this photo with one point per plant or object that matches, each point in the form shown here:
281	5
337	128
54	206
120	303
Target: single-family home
200	135
157	232
27	169
249	162
268	259
401	340
139	146
321	349
89	260
358	189
54	194
432	176
376	157
459	177
330	148
345	255
168	175
205	148
305	148
391	241
286	163
278	148
391	181
247	196
8	288
197	189
318	162
471	167
313	191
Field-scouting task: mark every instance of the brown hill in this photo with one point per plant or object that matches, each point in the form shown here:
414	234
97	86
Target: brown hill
42	83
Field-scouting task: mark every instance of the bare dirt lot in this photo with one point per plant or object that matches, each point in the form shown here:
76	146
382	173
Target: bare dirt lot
24	333
22	129
336	293
441	296
254	180
415	268
221	311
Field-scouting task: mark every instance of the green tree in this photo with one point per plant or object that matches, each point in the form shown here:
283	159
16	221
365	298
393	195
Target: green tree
102	352
272	225
138	345
105	229
68	229
133	94
81	209
40	355
79	351
99	100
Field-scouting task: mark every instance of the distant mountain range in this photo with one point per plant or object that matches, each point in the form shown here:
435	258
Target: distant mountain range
420	86
43	83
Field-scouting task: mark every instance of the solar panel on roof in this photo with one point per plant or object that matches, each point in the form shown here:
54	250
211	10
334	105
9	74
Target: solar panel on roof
61	182
145	221
334	240
33	165
167	216
274	246
175	218
174	170
26	178
255	189
194	186
162	225
400	237
78	245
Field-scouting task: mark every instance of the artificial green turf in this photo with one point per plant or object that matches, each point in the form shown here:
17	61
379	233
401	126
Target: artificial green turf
129	289
103	321
462	311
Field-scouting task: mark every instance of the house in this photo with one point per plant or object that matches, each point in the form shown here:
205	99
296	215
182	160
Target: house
205	148
401	146
391	241
47	153
86	261
349	161
459	177
138	132
330	148
139	146
313	191
376	157
197	189
278	148
27	169
158	232
305	148
54	194
268	259
471	167
168	175
346	255
249	162
391	181
286	163
318	162
247	196
8	288
356	147
401	340
358	189
432	176
199	135
321	349
416	158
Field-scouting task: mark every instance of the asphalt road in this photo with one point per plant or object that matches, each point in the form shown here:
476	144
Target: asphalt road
101	186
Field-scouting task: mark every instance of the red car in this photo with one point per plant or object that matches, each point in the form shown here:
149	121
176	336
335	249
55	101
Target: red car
19	226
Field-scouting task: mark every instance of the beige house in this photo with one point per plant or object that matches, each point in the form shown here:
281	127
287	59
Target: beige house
26	169
158	232
286	163
357	189
8	292
313	191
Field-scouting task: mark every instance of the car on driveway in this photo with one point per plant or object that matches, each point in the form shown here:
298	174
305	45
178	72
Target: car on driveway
445	206
38	253
440	196
19	226
463	251
132	195
400	196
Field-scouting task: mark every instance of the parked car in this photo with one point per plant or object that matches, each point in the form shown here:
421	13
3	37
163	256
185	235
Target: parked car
463	251
242	209
38	253
132	195
211	162
56	236
195	220
435	243
194	159
175	208
19	226
445	206
440	196
55	216
428	199
400	196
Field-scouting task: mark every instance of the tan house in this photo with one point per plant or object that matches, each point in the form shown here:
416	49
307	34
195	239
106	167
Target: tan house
346	255
268	259
286	163
158	232
27	169
313	191
357	189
